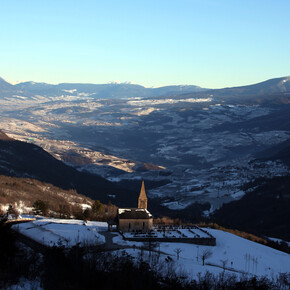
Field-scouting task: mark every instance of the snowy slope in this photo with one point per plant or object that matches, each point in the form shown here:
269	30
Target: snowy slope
238	255
68	233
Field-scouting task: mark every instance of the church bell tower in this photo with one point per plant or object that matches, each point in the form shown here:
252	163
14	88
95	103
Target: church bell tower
142	200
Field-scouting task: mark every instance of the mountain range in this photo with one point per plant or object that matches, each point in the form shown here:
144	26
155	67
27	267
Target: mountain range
127	90
111	90
276	85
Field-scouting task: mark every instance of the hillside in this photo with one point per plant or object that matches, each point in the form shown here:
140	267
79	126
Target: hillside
5	86
273	91
262	211
263	88
232	254
278	120
20	159
280	152
21	193
4	137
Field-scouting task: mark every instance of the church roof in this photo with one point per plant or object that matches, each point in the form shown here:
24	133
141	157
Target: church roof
134	213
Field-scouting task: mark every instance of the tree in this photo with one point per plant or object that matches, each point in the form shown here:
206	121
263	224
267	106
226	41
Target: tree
40	207
205	255
77	212
98	207
87	214
178	251
12	211
224	263
64	211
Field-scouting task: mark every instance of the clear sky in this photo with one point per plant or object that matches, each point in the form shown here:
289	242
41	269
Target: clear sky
210	43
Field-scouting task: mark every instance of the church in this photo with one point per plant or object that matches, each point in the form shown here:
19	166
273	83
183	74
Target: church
135	219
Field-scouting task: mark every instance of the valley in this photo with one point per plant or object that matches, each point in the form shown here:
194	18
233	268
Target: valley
205	145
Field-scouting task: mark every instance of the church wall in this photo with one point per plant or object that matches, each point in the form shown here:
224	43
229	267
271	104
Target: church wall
127	225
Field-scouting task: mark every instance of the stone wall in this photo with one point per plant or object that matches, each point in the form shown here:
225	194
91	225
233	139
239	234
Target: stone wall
197	241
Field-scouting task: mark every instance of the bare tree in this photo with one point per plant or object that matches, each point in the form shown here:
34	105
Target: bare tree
178	251
224	263
205	255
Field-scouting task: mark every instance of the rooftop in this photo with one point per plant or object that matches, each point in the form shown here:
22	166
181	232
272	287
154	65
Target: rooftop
134	213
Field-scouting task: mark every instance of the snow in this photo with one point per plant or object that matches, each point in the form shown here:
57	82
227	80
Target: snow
122	210
167	101
52	232
145	112
85	206
279	241
238	194
167	232
239	255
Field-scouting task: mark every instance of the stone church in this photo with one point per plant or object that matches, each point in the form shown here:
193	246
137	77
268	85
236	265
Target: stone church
132	219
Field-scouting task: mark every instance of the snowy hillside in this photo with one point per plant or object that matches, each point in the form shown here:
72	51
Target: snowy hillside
238	255
56	232
232	254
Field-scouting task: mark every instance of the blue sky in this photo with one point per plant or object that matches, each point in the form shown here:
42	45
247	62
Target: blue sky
210	43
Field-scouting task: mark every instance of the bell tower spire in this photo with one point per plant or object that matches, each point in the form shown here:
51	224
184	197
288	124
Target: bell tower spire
142	200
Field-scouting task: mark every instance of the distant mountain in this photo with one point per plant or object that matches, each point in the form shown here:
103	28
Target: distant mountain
5	85
273	91
102	90
127	90
175	90
6	89
33	86
264	88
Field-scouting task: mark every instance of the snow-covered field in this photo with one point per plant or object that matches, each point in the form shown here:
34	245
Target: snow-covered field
237	255
61	232
232	254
